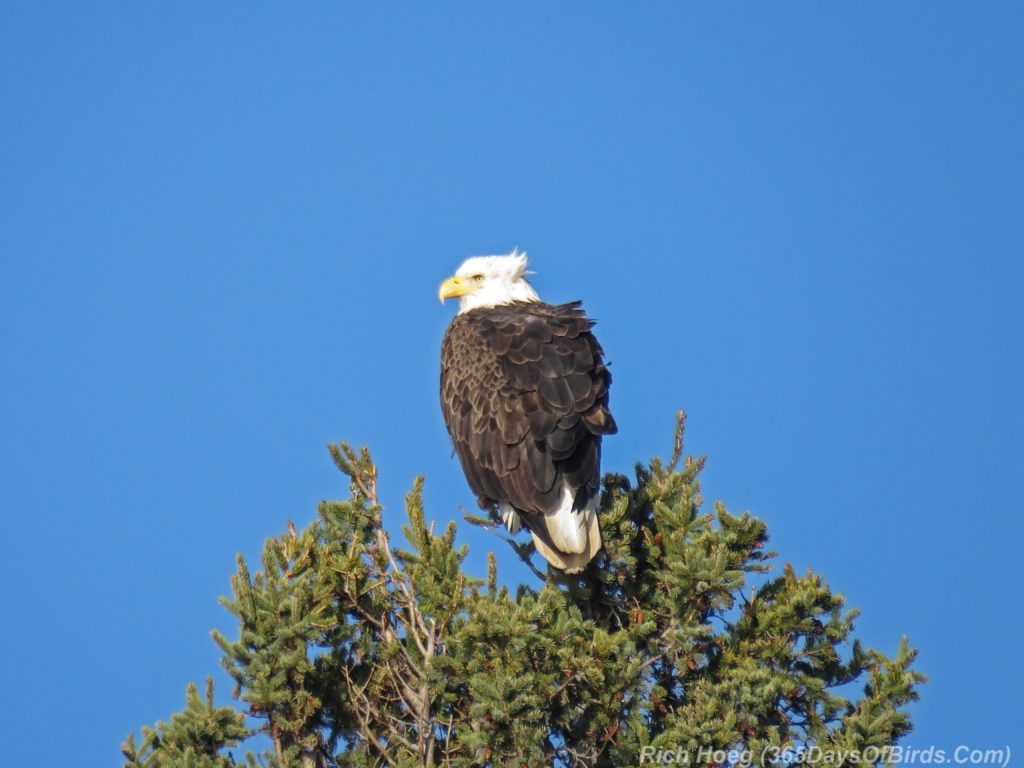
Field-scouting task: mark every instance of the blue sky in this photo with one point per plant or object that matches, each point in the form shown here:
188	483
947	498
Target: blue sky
223	229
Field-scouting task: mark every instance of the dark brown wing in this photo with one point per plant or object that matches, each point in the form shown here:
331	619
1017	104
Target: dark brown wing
524	392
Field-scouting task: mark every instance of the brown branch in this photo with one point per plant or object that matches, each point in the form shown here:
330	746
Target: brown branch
423	634
357	693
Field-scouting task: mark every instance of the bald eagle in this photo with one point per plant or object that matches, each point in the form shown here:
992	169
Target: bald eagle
524	392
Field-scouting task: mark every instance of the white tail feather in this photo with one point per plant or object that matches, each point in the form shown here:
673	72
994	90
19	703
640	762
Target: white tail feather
574	533
566	527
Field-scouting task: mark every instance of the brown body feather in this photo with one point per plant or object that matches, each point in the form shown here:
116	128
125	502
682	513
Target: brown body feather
524	392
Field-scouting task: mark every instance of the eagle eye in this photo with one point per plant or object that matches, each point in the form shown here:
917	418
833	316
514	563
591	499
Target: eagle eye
478	278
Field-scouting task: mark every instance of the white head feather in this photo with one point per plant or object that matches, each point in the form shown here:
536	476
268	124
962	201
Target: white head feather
492	281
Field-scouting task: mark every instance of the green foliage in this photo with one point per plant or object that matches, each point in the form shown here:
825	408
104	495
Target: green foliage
195	737
352	653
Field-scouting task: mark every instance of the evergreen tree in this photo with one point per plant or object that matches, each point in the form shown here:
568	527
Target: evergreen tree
676	639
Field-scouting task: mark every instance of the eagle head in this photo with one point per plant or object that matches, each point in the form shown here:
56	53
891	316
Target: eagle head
489	281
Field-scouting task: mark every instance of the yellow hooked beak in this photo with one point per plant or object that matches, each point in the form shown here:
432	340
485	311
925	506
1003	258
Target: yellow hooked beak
453	287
